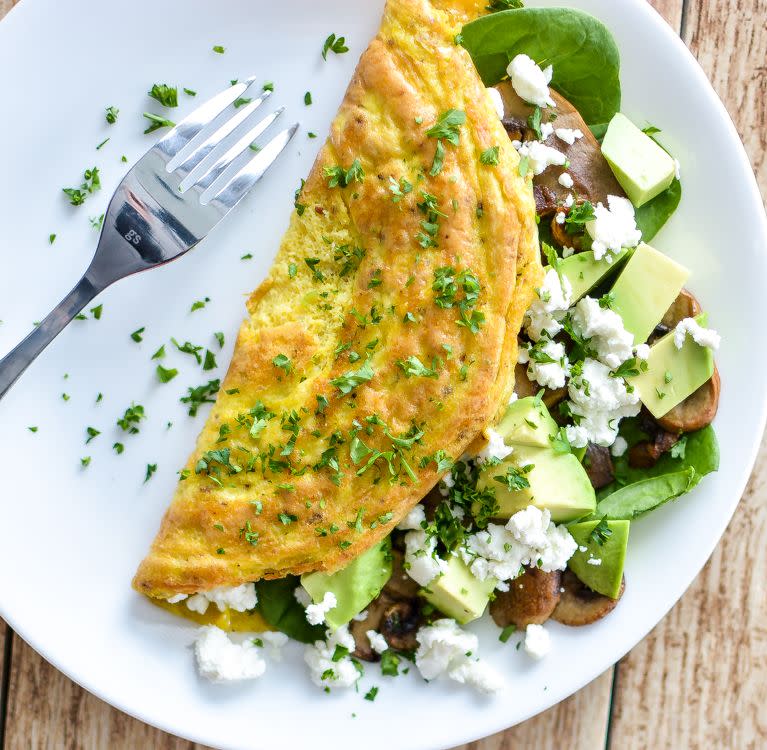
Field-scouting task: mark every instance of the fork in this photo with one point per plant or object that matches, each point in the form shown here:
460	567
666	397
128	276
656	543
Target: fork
164	206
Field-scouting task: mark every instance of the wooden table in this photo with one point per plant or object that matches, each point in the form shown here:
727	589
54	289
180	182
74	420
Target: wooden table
699	680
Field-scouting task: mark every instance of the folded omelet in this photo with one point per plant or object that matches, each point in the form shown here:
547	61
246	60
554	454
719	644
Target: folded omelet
383	340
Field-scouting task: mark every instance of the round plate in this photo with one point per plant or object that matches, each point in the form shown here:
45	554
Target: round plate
72	537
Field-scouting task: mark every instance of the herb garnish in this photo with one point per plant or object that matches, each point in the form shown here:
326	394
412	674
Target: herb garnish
489	156
200	395
91	183
111	115
156	122
166	95
165	375
334	44
340	177
349	381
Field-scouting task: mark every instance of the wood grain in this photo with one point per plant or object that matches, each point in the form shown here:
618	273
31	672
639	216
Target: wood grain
47	710
580	721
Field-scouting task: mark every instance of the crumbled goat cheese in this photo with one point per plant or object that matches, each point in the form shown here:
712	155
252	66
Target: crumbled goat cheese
529	538
604	328
642	351
273	642
361	617
530	82
221	660
619	447
444	650
700	335
560	217
677	169
540	156
568	204
567	251
565	180
568	135
496	448
239	598
548	374
598	402
613	228
324	671
413	519
545	312
594	561
421	560
315	613
537	641
176	598
546	130
497	99
377	641
301	595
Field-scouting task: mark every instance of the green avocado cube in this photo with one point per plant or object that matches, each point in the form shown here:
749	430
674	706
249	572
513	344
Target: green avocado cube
354	586
647	286
527	422
673	374
458	594
640	165
555	481
584	273
605	576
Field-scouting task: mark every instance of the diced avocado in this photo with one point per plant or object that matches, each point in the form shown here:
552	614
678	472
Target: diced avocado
648	285
673	374
584	273
640	165
354	586
604	578
458	594
527	422
557	482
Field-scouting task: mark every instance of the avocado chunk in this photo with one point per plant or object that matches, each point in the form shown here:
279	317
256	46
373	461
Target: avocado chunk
551	481
640	165
354	586
458	594
604	578
647	286
673	374
527	422
584	273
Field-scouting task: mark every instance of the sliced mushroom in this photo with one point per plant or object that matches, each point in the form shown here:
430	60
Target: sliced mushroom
400	585
599	466
531	598
401	621
359	628
579	605
696	411
645	454
593	179
684	306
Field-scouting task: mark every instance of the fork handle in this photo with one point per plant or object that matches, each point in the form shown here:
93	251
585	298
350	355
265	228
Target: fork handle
18	359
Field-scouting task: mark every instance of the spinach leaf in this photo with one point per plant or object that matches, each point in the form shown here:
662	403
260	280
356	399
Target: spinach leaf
641	497
654	214
581	49
637	491
280	609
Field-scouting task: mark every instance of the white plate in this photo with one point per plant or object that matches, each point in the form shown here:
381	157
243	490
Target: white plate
71	539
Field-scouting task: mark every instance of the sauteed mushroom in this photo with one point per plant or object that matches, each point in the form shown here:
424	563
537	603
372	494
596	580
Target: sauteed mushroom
359	628
645	454
400	585
579	605
598	465
531	598
400	623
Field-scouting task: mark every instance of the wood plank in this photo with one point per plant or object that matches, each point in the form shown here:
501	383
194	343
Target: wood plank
671	10
47	710
580	721
700	678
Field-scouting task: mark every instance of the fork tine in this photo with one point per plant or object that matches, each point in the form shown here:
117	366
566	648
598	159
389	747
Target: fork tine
192	124
236	189
214	139
212	174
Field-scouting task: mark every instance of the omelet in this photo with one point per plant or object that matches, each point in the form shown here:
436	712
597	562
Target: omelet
383	340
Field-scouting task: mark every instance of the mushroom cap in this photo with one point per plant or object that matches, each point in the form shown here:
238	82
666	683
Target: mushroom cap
531	599
579	605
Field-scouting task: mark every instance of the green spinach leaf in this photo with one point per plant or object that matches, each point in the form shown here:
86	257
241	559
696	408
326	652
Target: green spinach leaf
655	213
637	491
280	609
580	47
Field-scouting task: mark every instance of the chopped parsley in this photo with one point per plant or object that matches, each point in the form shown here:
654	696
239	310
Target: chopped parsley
399	188
506	633
218	49
202	394
219	336
132	417
283	362
111	114
334	44
600	533
390	663
489	156
118	448
96	311
413	367
308	98
371	694
209	363
578	216
91	183
515	478
186	348
166	95
461	290
445	129
190	92
136	335
156	122
160	353
286	519
165	375
150	470
340	177
199	304
51	239
92	433
349	381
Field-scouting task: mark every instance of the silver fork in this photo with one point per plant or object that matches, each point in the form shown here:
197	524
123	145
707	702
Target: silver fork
161	209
